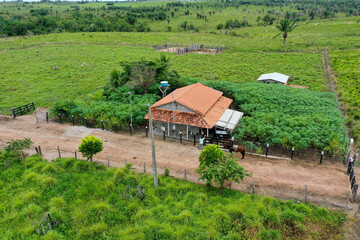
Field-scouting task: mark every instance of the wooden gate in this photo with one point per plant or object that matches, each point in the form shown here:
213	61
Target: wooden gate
23	109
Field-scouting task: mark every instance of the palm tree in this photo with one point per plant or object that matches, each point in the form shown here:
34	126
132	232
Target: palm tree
286	25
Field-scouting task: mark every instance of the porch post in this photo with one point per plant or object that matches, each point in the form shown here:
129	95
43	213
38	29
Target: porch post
207	132
187	131
168	129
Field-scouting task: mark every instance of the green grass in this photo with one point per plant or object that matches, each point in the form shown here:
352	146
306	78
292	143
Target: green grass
345	65
310	36
87	200
26	74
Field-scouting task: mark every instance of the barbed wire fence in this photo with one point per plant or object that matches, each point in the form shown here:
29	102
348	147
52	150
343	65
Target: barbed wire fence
259	149
249	186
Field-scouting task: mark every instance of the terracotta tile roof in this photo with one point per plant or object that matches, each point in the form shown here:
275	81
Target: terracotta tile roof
207	120
215	112
197	97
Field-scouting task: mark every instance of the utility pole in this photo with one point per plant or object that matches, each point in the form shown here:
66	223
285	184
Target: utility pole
156	183
131	123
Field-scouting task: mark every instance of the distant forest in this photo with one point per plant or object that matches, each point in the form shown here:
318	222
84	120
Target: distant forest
32	18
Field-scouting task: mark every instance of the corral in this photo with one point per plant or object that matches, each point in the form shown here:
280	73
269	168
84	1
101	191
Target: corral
194	48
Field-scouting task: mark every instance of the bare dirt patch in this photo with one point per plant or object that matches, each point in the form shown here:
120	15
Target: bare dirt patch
274	177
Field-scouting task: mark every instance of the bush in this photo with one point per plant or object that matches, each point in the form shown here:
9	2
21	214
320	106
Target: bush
90	146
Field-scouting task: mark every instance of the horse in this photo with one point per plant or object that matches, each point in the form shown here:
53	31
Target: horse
235	148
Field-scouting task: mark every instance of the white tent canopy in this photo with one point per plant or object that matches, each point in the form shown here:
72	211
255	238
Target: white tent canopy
229	120
276	77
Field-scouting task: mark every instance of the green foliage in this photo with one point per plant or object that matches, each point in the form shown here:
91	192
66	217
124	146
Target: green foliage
88	209
281	115
345	64
90	145
63	107
14	147
285	27
167	172
216	166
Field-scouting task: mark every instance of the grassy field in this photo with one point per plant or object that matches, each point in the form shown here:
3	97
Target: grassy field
345	65
87	200
334	34
83	68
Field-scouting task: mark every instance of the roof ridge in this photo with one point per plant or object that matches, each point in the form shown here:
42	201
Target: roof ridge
190	90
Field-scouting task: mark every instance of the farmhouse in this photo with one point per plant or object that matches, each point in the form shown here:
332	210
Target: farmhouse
273	78
194	109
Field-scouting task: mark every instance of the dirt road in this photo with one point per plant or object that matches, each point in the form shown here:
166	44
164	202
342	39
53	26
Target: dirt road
274	177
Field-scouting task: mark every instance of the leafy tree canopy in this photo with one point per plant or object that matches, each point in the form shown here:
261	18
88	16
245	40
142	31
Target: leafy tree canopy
90	145
218	167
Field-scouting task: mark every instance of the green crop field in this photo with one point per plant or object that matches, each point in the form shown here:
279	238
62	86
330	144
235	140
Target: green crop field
345	65
87	200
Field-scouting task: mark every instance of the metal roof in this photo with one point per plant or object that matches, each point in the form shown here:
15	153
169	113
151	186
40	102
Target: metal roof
229	119
278	77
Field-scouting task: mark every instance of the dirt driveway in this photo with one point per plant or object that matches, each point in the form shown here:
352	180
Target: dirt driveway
280	178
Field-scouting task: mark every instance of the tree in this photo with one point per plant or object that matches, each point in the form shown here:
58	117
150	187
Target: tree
90	146
184	25
268	19
142	76
286	25
15	147
218	167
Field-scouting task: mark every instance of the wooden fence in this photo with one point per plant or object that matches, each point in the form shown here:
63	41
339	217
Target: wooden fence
23	109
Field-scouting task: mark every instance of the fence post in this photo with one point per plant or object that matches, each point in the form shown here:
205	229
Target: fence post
60	120
75	155
108	161
59	151
305	193
292	153
47	117
37	151
165	171
194	140
144	167
185	174
102	124
72	120
348	198
40	150
131	130
230	185
164	135
321	157
267	149
180	137
147	131
86	123
115	126
251	146
254	185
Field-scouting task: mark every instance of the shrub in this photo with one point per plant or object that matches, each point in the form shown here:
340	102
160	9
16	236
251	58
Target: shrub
90	146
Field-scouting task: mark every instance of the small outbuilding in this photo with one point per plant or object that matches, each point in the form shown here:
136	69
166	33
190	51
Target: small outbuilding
192	110
273	78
